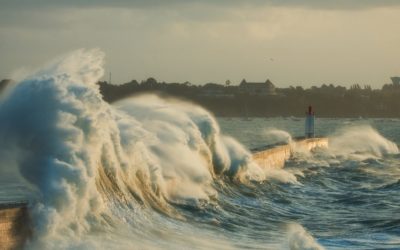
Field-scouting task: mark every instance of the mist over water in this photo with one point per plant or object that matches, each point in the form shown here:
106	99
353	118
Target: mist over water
154	173
273	136
361	140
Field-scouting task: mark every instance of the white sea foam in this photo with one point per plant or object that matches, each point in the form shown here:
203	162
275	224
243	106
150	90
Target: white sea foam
360	142
299	239
85	158
273	136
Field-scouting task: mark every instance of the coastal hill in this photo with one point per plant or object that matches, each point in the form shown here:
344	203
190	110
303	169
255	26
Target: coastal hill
264	99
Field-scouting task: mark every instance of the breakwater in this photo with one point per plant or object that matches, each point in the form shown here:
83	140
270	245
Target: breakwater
275	156
15	220
14	225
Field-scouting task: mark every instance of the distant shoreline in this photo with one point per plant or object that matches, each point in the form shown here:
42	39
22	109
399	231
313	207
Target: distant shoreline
265	100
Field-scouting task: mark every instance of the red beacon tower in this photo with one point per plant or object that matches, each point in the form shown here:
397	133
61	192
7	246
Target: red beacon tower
310	119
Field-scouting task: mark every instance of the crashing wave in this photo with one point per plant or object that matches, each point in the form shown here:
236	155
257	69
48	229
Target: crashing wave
81	154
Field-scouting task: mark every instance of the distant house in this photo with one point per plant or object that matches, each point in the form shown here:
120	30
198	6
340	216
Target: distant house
395	80
213	90
257	88
394	86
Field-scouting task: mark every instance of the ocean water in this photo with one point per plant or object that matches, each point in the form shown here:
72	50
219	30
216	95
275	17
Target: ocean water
346	200
151	173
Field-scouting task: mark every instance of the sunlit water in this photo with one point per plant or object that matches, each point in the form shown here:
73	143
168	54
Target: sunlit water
149	173
344	203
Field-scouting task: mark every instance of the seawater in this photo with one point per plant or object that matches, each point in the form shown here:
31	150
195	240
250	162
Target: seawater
347	200
153	173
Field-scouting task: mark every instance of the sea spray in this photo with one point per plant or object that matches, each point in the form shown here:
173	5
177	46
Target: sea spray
273	136
83	157
349	143
361	141
52	120
299	239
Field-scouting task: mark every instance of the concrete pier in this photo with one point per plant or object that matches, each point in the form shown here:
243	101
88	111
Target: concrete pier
275	156
14	225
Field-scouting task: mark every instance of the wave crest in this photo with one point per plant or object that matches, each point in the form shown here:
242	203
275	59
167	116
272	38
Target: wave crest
82	156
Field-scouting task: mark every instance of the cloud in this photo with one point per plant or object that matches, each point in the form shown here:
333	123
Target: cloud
201	41
312	4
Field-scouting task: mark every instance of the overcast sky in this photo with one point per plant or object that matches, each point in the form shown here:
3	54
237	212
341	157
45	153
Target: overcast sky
291	42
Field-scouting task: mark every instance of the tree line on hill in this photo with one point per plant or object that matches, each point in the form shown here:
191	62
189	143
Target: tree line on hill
228	100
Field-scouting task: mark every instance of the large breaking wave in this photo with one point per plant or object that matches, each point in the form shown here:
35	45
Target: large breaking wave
154	173
86	160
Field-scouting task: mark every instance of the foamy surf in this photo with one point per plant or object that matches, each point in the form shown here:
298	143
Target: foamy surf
83	157
154	173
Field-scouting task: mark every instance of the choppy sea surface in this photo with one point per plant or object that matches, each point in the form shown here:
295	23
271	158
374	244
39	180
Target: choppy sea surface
348	201
151	173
